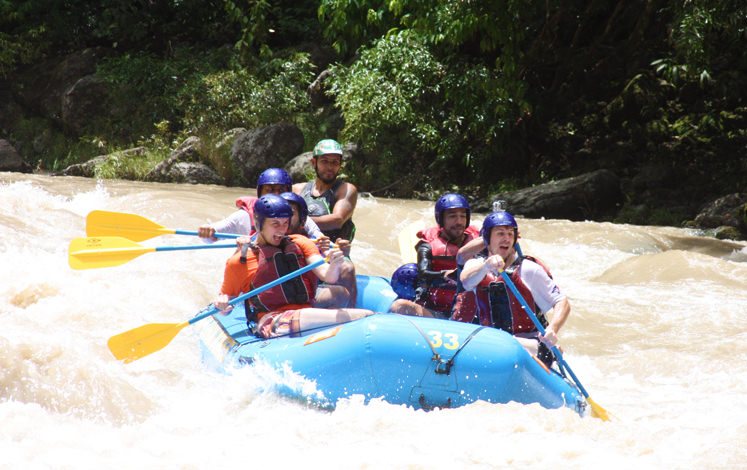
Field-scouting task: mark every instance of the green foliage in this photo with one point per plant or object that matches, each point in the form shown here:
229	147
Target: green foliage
475	95
489	29
153	89
51	149
128	166
264	23
708	39
239	98
411	109
32	29
348	24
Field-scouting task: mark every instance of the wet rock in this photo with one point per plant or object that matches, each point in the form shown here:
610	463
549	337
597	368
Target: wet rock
225	141
589	196
88	169
10	160
299	167
194	173
184	166
264	147
726	211
726	232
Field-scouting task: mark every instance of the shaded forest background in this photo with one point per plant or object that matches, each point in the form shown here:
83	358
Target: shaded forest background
477	96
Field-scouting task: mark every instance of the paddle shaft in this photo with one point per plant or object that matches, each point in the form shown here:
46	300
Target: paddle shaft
507	280
215	235
194	247
258	290
147	339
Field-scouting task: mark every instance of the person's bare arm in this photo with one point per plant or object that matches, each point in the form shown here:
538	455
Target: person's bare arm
469	250
347	198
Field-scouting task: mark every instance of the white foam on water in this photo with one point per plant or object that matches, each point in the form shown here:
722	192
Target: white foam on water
656	335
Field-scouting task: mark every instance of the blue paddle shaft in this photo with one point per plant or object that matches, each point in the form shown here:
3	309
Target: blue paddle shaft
259	290
195	247
507	280
216	234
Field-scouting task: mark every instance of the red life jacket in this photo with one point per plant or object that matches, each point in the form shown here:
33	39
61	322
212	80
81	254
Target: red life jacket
444	254
495	305
274	262
247	203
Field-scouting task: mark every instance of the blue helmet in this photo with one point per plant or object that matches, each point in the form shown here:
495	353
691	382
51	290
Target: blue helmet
271	206
303	209
498	219
450	201
404	280
274	176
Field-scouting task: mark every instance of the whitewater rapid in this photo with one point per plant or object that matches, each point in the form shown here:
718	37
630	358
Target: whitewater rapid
656	335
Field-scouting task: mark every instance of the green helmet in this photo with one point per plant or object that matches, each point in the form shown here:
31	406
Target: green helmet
327	146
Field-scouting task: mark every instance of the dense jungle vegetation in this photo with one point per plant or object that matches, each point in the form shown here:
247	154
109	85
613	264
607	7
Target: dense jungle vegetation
479	95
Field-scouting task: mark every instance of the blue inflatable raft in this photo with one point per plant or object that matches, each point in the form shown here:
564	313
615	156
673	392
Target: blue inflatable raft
421	362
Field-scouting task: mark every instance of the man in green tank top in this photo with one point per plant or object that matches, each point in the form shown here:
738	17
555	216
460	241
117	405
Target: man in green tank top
331	203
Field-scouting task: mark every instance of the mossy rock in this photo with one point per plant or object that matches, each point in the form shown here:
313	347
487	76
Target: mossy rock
726	232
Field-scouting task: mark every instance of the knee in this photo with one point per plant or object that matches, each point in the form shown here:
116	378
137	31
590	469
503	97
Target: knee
340	295
398	306
347	269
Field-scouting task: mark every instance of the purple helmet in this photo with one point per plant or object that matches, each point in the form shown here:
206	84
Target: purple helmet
274	176
497	219
450	201
404	280
303	209
271	206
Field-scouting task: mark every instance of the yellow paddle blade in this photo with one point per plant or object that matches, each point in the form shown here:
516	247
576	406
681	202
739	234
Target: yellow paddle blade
139	342
598	412
120	224
407	239
103	252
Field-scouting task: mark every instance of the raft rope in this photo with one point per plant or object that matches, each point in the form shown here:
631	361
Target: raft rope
443	367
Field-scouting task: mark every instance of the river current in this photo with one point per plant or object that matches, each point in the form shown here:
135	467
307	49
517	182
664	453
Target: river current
656	335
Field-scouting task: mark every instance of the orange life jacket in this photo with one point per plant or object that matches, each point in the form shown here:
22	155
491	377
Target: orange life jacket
274	262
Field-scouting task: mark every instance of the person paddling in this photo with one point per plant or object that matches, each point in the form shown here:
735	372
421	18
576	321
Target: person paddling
327	295
331	203
488	302
241	222
437	250
285	309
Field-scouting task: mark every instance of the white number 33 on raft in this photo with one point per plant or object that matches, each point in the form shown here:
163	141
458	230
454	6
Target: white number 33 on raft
447	340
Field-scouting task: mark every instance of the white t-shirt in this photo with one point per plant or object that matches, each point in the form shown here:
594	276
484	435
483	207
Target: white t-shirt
545	291
240	222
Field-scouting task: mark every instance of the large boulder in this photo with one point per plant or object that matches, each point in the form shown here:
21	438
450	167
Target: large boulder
299	167
265	147
46	83
87	98
589	196
10	160
184	166
194	173
724	212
